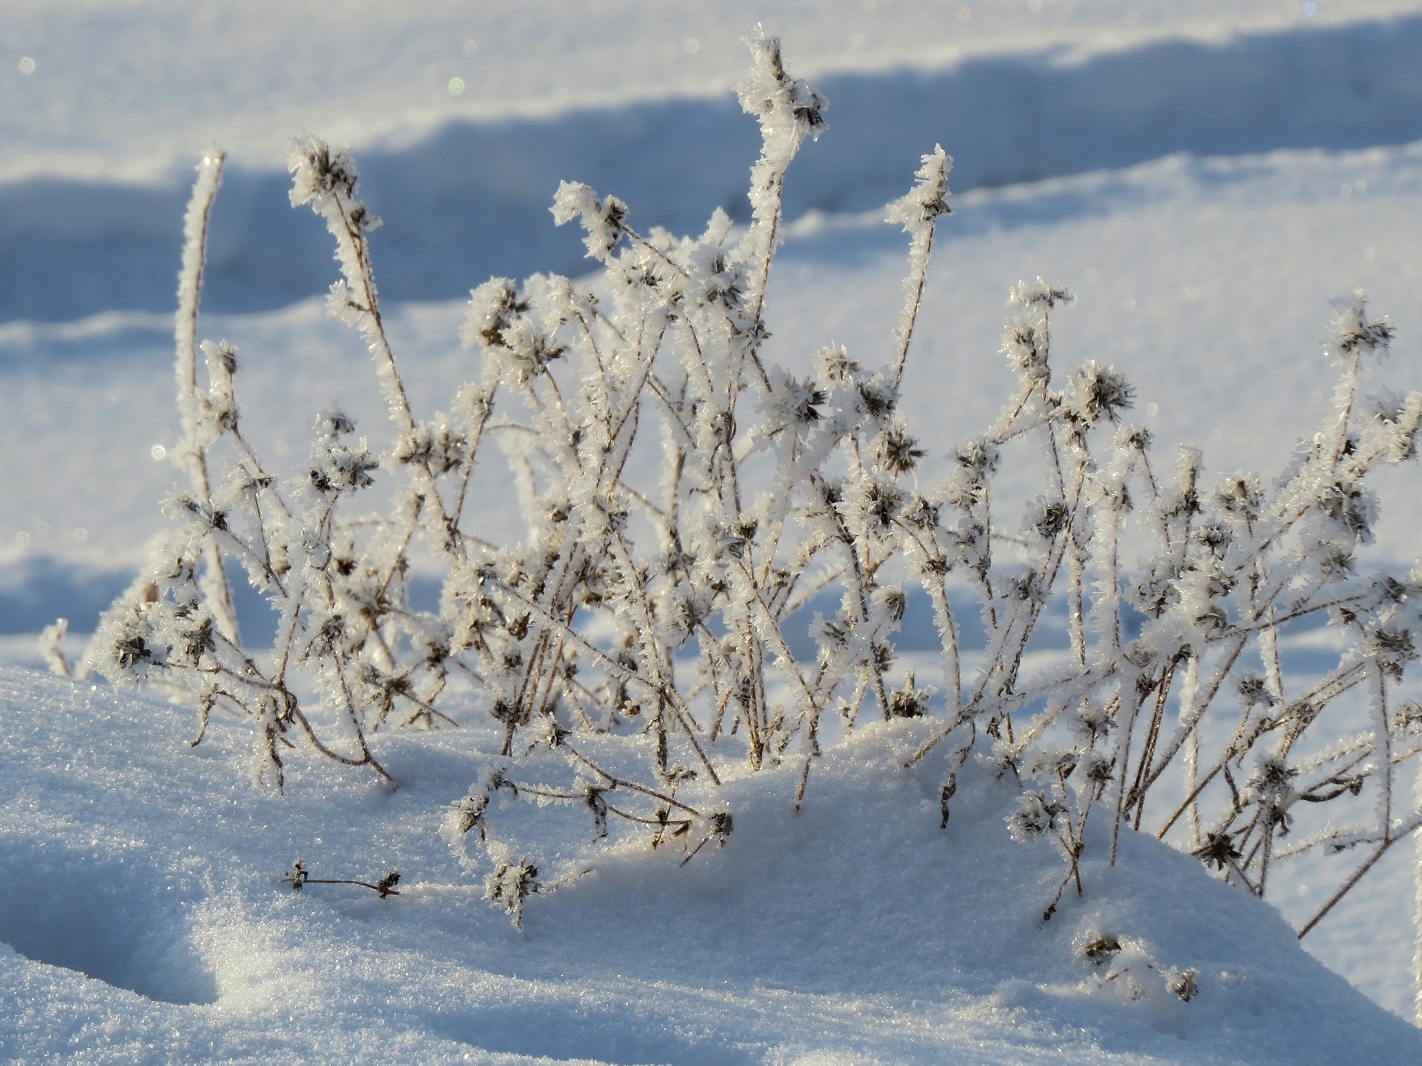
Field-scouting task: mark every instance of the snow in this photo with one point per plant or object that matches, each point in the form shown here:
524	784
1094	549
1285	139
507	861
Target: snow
99	99
155	926
1204	180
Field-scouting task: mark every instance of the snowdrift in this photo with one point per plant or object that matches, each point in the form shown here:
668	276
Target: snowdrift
145	920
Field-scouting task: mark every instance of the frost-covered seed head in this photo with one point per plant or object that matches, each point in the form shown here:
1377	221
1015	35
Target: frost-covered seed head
1215	537
878	399
785	106
1092	722
1240	497
1218	851
1184	983
1101	950
835	365
1333	561
1047	518
1096	767
1095	392
1273	781
909	701
1024	343
1302	712
1024	586
897	452
979	457
1038	294
604	220
791	402
1406	719
895	603
1351	507
921	513
928	199
1353	333
1254	692
1034	817
1391	648
319	172
1134	438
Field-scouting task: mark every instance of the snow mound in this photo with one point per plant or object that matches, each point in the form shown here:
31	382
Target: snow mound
146	921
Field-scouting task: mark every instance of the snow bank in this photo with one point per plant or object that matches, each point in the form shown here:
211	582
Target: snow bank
145	921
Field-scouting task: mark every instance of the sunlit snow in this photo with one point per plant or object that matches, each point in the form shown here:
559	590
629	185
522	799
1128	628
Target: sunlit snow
1205	178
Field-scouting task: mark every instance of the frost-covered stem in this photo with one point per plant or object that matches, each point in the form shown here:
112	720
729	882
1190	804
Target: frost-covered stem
1341	679
264	535
804	783
1347	886
633	391
952	657
526	696
1383	732
919	212
1154	513
769	632
659	687
1136	796
787	110
397	552
190	278
947	624
1109	601
367	758
355	263
1190	716
1190	803
1347	388
466	473
1076	555
326	181
541	672
1355	837
50	645
1417	911
860	577
779	514
632	786
1269	631
1192	744
1265	848
1272	622
1123	762
1084	682
292	604
1019	627
1044	721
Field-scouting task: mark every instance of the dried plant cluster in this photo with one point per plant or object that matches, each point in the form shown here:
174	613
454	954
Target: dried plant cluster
692	507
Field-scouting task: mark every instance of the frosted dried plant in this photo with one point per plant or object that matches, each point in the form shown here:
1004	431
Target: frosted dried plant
692	508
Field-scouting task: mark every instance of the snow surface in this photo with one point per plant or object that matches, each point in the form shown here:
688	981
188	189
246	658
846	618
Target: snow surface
1205	177
146	921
